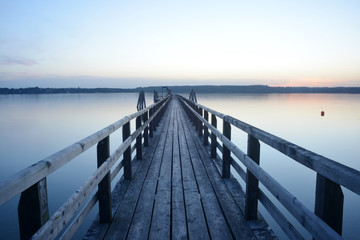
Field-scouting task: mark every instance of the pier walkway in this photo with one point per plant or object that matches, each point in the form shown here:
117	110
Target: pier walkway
176	182
177	192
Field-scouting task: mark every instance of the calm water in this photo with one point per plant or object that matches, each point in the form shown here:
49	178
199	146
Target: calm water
35	126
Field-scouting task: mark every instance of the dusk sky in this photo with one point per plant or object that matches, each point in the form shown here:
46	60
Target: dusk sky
140	43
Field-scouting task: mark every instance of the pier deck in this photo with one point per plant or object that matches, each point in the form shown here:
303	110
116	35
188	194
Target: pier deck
177	192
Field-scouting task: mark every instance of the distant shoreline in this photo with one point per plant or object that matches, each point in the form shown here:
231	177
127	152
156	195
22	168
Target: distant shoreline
186	89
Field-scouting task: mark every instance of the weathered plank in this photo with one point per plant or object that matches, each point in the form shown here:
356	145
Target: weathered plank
178	205
125	213
160	225
196	223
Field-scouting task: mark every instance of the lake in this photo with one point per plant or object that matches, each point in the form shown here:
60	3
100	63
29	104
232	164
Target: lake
35	126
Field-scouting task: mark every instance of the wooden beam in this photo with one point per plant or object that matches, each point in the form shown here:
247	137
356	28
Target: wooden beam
138	139
33	210
252	183
104	187
329	202
213	136
127	153
226	151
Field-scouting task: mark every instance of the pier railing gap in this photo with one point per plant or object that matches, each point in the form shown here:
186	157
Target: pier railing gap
34	221
325	222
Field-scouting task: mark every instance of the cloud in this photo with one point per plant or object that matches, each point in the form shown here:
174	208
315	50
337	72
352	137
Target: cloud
6	60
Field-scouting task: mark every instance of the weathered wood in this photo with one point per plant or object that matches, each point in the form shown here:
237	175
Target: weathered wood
138	139
206	130
151	125
24	179
309	220
104	187
196	223
329	202
80	217
127	153
126	213
252	184
339	173
215	219
146	131
33	210
213	136
200	111
226	151
178	205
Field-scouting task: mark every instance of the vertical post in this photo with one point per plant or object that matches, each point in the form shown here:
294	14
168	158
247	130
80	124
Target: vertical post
156	117
206	130
33	210
146	131
226	151
329	202
138	139
252	183
104	187
200	111
151	123
127	153
213	136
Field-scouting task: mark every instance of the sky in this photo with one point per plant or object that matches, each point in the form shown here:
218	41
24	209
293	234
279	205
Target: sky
141	43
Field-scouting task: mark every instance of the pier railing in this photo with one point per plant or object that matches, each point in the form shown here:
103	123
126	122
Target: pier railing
325	222
34	220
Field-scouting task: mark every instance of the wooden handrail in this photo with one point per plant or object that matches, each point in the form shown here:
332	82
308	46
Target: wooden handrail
337	172
22	180
28	180
316	226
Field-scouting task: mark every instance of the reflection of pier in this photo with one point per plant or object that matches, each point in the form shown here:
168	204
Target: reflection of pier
176	182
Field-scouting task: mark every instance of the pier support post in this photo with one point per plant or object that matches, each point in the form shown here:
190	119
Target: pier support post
200	111
138	139
252	183
206	130
104	187
146	131
151	112
213	137
127	153
226	151
33	210
329	202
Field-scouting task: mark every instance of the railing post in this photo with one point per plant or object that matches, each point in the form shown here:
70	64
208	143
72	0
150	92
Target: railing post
206	130
213	137
146	131
252	183
127	153
155	121
138	139
33	210
104	187
329	202
226	151
200	111
151	123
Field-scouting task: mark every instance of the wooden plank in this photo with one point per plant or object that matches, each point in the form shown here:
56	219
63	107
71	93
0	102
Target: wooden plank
141	221
33	210
178	205
234	217
196	224
121	222
161	221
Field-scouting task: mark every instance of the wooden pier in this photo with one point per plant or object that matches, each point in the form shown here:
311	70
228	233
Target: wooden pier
176	182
